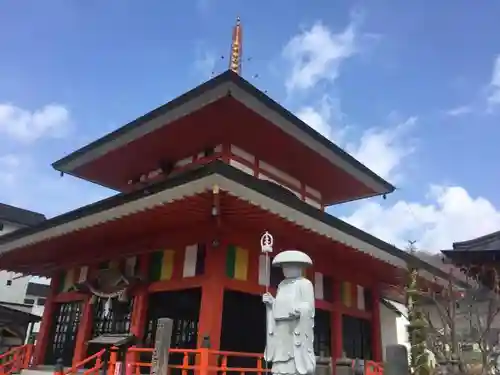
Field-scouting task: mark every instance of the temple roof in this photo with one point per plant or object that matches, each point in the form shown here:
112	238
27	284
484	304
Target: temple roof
19	216
480	250
236	183
489	242
227	87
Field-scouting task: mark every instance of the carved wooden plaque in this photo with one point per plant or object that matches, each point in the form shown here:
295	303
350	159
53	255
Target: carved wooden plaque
159	361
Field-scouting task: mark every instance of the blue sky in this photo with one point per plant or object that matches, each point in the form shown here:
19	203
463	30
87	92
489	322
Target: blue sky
407	87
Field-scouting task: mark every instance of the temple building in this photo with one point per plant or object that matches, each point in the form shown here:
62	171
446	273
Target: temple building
479	259
199	180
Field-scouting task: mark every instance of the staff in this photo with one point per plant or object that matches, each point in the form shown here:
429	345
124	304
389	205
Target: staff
266	247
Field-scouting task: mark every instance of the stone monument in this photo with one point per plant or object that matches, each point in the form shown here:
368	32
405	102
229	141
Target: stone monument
290	318
159	360
396	360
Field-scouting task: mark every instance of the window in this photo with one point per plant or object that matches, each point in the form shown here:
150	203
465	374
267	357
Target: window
356	336
29	301
322	333
41	301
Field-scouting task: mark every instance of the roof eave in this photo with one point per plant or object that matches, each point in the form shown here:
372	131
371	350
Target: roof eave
229	83
239	178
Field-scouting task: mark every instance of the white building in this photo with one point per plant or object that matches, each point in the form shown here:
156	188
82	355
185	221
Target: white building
20	295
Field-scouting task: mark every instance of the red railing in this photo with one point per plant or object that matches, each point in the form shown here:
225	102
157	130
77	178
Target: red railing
373	368
15	359
182	362
206	361
81	367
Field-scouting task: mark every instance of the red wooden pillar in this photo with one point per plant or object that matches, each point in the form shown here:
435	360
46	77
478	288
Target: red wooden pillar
212	296
84	331
376	329
336	325
140	306
43	337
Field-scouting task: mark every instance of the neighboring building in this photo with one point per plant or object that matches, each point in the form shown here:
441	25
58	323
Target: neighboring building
479	259
22	294
15	323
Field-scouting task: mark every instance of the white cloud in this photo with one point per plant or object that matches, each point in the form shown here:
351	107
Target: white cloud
29	184
205	63
326	118
383	149
8	165
459	111
20	124
316	54
494	86
450	215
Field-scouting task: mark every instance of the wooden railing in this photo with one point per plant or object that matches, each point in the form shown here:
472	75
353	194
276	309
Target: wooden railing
206	361
15	359
95	361
193	361
181	362
373	368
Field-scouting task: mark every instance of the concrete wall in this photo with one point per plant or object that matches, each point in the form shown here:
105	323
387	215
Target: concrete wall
388	327
14	293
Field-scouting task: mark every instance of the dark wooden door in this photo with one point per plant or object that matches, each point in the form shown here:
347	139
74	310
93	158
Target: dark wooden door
64	331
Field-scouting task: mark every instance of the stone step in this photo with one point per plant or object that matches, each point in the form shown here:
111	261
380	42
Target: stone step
45	370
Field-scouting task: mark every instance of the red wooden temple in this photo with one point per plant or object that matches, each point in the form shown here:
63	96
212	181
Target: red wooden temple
200	179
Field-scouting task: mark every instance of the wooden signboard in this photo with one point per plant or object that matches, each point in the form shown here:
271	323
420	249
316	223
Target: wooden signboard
159	361
112	339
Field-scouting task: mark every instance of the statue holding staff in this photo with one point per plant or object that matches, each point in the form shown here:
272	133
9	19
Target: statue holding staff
290	318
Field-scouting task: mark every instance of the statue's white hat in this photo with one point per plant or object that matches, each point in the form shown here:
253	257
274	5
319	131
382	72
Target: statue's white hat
292	256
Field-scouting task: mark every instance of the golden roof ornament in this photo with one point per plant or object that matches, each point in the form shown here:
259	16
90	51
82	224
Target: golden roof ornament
236	48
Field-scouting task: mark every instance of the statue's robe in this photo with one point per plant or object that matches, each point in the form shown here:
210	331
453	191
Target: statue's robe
290	328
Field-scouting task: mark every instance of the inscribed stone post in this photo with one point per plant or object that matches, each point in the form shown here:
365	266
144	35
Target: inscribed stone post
159	362
396	360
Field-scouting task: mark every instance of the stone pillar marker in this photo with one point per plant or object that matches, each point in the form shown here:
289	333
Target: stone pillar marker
159	361
397	360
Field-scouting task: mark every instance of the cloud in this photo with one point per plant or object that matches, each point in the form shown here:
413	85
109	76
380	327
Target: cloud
205	63
459	111
325	117
30	184
494	86
450	215
383	149
316	54
23	125
8	165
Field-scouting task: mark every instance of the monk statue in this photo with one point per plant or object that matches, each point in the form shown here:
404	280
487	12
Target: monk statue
290	318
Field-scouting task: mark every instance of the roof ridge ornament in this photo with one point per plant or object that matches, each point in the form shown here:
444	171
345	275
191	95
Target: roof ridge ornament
236	48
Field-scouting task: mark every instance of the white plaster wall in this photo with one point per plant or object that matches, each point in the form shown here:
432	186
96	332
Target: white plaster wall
36	310
14	293
388	325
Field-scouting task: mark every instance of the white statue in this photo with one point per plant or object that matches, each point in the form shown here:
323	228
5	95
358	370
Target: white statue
290	318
